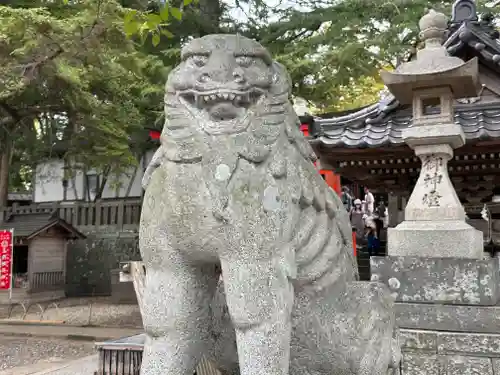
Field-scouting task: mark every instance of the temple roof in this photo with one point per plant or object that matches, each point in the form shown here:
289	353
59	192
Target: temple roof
381	124
30	225
360	132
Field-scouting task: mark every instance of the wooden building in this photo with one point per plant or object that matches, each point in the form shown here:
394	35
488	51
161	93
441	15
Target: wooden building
39	256
366	145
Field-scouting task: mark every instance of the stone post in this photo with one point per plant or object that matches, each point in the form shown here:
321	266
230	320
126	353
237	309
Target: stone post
447	295
434	222
392	209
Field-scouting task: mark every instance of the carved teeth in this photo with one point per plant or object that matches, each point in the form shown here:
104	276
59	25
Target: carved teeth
206	98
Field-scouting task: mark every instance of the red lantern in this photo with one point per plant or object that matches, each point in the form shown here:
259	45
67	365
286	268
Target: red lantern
154	134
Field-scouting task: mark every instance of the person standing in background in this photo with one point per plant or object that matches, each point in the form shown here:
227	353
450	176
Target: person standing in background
379	217
373	241
357	221
369	202
346	198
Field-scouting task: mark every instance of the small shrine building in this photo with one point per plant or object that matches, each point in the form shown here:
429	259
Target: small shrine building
365	146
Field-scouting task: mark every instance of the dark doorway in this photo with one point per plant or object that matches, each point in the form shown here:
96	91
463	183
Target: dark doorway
20	260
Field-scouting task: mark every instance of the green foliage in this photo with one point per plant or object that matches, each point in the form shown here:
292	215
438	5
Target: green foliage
328	46
332	45
72	83
154	21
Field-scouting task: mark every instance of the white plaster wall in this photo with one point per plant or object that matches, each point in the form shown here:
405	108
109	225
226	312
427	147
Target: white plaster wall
48	181
49	176
75	188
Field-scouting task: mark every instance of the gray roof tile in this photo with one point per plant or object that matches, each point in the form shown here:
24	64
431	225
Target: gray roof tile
478	124
28	224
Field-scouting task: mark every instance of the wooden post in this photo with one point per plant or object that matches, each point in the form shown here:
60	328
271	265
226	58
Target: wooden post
120	214
75	214
355	249
333	180
97	208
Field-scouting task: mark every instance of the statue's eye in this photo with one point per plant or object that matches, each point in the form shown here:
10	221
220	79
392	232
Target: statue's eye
198	60
244	61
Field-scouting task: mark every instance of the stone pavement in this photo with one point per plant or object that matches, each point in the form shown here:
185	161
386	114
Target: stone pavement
82	366
68	332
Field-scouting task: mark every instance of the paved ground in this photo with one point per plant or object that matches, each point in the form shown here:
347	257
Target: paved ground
83	333
83	366
98	311
67	349
22	351
46	350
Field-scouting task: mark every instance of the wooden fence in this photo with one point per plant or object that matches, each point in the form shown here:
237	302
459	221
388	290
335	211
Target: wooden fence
89	216
42	281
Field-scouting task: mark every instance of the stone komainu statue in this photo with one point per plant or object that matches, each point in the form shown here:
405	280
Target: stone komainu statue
232	190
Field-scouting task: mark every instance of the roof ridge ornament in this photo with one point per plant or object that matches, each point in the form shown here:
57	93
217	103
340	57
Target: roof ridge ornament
463	11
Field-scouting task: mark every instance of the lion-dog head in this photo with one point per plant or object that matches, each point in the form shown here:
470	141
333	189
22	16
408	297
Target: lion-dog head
225	86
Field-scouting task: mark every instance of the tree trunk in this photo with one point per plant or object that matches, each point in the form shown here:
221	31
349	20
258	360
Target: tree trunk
131	181
103	183
4	173
212	13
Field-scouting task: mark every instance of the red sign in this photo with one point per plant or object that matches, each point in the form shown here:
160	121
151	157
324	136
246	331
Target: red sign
6	240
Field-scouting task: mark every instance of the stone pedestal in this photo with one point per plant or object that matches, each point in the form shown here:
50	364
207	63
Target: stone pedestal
447	238
447	311
434	217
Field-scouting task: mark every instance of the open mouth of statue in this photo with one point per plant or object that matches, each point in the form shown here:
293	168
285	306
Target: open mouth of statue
221	105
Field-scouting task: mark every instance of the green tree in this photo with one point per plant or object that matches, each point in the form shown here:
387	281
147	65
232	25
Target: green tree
70	77
329	46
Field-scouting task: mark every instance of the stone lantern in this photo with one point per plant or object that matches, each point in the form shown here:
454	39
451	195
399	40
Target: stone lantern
434	223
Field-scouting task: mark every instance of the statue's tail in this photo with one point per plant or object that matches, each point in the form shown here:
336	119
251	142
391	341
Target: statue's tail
324	250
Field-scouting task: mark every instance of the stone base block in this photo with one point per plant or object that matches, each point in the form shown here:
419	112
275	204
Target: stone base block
444	353
439	280
431	364
443	239
452	318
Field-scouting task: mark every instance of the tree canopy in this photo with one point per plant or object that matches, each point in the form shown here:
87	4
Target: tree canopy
72	82
328	46
82	78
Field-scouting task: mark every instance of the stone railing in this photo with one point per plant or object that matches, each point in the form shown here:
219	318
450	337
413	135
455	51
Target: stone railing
117	215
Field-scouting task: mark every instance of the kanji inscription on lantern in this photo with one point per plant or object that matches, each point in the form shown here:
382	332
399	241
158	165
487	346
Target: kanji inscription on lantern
432	165
432	180
431	199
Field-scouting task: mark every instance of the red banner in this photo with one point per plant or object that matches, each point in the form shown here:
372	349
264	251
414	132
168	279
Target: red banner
6	240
